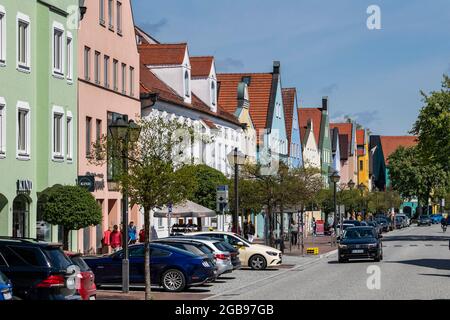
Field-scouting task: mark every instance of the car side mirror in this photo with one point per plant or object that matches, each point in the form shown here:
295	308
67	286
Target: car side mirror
240	244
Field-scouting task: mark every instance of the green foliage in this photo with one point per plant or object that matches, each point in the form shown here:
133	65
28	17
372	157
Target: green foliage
72	207
433	127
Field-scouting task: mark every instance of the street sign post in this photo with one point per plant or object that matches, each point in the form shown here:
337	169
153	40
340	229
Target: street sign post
222	202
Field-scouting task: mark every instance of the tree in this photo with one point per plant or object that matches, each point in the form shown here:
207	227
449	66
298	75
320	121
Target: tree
412	176
207	180
433	126
378	201
157	173
71	207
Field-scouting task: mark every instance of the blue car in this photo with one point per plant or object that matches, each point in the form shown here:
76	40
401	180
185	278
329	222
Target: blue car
436	218
5	288
171	268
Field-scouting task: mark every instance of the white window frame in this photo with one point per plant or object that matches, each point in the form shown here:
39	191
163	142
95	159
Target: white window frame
97	71
119	14
23	67
57	110
58	27
87	63
69	56
187	89
111	14
23	154
69	136
101	12
106	77
124	78
213	92
131	81
2	36
2	128
115	75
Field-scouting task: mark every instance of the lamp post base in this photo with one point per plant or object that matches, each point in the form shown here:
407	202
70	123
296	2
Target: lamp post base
125	276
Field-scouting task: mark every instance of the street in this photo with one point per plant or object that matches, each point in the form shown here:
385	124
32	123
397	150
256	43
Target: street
416	265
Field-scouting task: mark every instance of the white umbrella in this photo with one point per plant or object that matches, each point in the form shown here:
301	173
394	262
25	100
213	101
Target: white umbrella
187	209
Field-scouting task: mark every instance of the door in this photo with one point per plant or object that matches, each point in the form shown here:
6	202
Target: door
21	208
137	266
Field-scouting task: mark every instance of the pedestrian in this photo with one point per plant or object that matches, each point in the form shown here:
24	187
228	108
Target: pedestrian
294	232
142	235
314	226
106	241
245	227
116	239
251	231
132	233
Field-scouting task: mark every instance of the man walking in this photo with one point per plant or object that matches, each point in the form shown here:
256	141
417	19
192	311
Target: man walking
294	233
132	233
251	231
314	226
116	239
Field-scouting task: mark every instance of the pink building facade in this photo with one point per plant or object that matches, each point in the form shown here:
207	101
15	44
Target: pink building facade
108	88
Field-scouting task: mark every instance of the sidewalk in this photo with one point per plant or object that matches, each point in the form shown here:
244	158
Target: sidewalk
140	295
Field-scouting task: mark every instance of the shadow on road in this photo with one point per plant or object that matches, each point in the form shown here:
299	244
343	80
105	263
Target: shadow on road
435	275
350	262
408	238
440	264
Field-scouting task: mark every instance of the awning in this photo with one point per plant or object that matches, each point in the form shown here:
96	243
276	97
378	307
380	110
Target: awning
187	209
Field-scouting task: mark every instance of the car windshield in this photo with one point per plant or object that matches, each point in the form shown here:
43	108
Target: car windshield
242	239
79	262
358	233
205	249
57	258
3	279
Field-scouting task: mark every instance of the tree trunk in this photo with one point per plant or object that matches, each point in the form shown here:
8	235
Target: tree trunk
66	239
148	236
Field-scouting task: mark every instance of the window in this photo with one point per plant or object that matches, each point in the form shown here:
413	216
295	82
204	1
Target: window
98	135
23	130
361	165
102	12
2	35
119	17
106	71
115	75
124	78
213	93
2	127
131	81
58	35
23	42
58	116
69	50
69	136
88	136
187	90
87	63
111	13
97	67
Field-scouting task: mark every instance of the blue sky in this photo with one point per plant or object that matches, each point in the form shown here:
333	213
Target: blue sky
324	46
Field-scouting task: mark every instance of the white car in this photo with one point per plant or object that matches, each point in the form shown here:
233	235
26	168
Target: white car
405	217
255	256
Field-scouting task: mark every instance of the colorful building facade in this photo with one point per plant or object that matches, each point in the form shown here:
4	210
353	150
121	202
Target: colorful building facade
292	127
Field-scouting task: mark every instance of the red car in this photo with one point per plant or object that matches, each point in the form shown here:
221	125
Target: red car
87	288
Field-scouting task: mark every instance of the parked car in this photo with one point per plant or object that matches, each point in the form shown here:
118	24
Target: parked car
86	288
424	221
436	218
376	225
6	288
255	256
384	223
199	249
399	223
171	268
360	243
37	270
347	225
405	217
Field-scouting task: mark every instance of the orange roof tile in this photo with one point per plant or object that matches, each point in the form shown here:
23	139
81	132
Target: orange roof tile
360	135
391	143
289	95
201	66
162	54
259	92
315	114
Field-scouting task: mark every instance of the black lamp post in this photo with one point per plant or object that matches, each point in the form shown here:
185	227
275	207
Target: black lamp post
361	188
236	159
335	179
351	186
124	133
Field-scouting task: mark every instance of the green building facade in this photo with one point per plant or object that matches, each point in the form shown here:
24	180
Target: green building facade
38	101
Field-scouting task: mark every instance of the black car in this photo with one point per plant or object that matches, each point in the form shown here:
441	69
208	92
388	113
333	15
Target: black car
376	225
356	223
384	224
38	270
424	221
360	243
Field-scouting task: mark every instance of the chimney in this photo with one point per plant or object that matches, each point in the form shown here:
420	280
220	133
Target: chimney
324	103
276	67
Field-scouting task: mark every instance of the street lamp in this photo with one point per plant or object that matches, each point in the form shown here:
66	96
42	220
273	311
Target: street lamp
335	177
125	132
351	185
236	159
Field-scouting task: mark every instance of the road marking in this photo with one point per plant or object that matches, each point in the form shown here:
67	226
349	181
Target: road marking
413	245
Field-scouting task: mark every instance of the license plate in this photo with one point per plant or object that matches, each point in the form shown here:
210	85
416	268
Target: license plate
7	296
358	251
92	298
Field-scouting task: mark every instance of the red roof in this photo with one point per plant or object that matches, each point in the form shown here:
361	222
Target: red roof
391	143
289	95
315	114
201	66
360	135
150	83
259	92
162	54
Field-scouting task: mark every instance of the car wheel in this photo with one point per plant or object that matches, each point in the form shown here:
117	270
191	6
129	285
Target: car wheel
173	280
257	262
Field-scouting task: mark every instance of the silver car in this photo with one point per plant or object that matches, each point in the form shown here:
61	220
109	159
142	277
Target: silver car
223	258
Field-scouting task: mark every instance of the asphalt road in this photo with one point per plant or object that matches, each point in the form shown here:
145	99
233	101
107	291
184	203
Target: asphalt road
416	265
